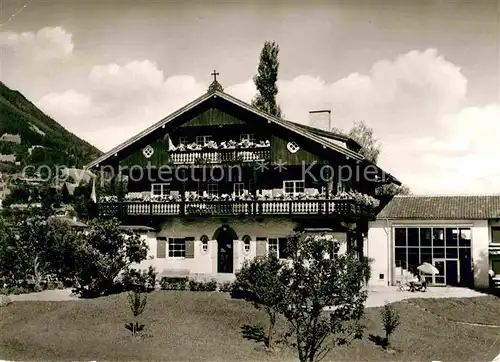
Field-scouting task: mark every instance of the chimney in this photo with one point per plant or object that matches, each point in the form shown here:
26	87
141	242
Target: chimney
320	119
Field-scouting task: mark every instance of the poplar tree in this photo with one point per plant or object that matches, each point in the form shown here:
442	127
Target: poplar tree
266	80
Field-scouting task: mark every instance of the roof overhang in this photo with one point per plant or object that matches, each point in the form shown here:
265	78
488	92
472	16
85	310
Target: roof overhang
291	126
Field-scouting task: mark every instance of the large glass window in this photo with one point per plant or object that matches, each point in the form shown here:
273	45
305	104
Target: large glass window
451	237
438	237
425	237
400	237
413	237
415	245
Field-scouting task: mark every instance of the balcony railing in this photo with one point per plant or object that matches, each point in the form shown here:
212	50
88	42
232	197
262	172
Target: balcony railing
220	156
344	208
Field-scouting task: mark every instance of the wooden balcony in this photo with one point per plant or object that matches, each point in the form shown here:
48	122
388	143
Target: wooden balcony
220	156
338	208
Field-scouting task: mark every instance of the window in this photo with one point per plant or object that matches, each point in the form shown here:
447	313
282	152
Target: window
246	243
204	243
415	245
201	140
438	239
381	276
159	189
425	237
183	140
279	246
495	266
293	187
413	237
451	237
495	234
213	189
400	237
176	247
238	188
248	136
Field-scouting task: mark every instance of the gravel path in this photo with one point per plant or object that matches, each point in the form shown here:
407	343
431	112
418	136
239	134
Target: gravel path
377	297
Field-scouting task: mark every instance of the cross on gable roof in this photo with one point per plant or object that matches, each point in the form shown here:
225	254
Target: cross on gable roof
323	138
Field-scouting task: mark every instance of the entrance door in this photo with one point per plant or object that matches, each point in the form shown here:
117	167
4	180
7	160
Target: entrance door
439	279
452	272
449	272
225	255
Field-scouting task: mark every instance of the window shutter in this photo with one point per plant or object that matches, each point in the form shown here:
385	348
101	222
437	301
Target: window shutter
161	248
189	247
261	246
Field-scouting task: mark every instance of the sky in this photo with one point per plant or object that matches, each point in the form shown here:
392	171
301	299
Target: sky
425	75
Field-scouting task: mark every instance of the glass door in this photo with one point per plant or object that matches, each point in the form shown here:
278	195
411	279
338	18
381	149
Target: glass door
439	279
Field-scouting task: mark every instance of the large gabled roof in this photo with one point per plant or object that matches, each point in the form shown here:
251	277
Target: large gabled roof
326	139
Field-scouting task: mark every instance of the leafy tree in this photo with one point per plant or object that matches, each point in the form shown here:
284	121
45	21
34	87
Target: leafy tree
362	134
390	321
318	278
104	251
260	277
266	79
28	247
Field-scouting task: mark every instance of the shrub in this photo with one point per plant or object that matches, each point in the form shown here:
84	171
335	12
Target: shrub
173	283
390	321
210	286
195	286
103	252
225	287
133	279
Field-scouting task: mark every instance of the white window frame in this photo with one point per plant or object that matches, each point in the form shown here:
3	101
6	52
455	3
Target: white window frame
248	136
295	182
164	189
183	140
273	245
211	184
201	140
176	254
240	186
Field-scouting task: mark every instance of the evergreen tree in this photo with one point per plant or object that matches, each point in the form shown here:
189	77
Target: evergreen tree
266	79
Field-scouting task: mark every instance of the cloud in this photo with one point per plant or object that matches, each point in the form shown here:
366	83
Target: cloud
414	102
47	44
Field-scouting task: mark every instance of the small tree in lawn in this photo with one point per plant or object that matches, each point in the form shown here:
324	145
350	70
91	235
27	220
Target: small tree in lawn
104	251
260	278
390	321
137	303
317	278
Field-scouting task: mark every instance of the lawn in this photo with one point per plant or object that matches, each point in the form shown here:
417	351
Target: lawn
208	326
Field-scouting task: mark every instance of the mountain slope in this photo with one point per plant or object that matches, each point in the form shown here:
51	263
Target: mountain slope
43	140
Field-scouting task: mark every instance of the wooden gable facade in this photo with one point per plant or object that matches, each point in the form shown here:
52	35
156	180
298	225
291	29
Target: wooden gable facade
286	158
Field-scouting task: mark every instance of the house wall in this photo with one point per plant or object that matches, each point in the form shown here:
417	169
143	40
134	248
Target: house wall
380	247
205	262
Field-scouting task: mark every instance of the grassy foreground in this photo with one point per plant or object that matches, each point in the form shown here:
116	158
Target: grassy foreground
208	326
